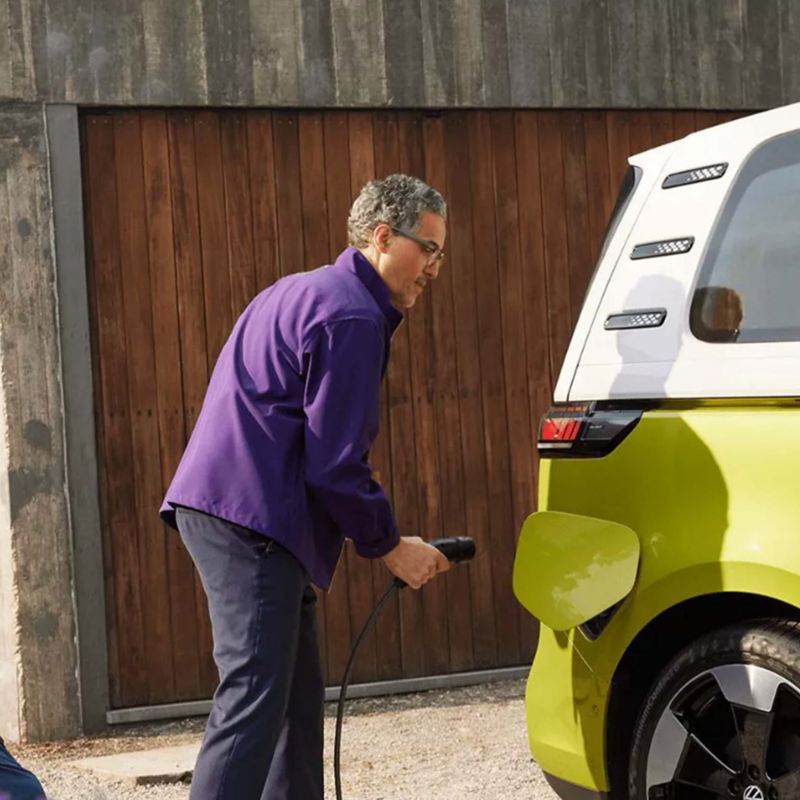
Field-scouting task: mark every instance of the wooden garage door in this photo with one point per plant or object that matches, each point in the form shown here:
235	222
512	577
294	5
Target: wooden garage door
189	214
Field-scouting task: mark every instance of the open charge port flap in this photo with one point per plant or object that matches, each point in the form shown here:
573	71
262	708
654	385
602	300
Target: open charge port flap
569	568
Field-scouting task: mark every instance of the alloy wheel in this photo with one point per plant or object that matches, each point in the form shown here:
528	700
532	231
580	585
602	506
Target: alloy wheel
731	732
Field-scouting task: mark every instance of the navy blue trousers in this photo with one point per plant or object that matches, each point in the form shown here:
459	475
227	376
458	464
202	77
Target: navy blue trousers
264	736
17	783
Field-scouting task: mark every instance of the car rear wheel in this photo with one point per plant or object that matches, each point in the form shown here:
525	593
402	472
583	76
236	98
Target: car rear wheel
723	719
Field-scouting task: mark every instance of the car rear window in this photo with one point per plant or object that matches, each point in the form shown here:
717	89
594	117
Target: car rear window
630	180
749	283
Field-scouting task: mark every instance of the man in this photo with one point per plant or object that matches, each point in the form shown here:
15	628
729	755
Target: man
275	475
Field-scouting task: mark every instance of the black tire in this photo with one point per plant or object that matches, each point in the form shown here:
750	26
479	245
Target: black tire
707	729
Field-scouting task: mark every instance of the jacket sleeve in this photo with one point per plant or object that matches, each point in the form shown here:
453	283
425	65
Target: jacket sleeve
341	403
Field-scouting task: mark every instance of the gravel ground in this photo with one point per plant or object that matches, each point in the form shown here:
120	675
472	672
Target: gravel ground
448	745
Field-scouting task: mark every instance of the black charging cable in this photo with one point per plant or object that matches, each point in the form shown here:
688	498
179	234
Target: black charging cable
457	549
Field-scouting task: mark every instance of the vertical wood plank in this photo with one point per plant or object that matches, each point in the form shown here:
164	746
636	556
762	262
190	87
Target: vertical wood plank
360	570
640	132
394	395
598	180
337	179
576	207
315	247
145	468
477	581
238	210
422	489
312	190
661	125
486	246
705	119
338	634
556	246
465	496
262	194
387	639
729	116
192	319
169	393
619	147
518	407
215	285
535	296
287	192
449	481
213	232
683	123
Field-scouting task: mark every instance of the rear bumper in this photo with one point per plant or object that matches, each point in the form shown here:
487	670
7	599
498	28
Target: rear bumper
565	706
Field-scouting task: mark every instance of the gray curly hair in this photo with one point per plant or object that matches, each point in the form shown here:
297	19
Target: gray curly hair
397	200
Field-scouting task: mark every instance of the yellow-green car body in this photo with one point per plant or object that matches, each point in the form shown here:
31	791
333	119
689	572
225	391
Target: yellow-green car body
709	522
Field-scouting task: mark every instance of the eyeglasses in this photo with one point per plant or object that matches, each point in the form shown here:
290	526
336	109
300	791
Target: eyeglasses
429	246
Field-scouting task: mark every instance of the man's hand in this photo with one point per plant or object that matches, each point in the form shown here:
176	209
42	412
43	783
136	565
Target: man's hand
415	561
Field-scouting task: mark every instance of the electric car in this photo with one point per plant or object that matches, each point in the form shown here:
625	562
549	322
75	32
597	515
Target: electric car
664	560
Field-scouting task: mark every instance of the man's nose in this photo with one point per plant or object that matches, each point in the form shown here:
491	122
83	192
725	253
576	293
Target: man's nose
432	270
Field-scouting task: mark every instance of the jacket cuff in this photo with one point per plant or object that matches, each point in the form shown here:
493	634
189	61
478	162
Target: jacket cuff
379	548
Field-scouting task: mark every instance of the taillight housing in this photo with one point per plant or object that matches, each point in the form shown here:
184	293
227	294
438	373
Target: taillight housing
587	430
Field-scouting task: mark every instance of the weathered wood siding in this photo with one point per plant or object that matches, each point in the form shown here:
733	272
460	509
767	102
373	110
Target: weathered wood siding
218	204
403	53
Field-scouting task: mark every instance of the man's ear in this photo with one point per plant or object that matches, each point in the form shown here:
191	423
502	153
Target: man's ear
381	237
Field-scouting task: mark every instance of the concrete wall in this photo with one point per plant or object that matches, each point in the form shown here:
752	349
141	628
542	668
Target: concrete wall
726	54
38	676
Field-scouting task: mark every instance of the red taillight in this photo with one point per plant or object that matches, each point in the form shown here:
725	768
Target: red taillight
560	430
561	426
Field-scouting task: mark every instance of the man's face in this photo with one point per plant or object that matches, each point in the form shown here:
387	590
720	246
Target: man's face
406	265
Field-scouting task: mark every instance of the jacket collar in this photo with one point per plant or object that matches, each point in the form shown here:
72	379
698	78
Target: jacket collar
353	260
